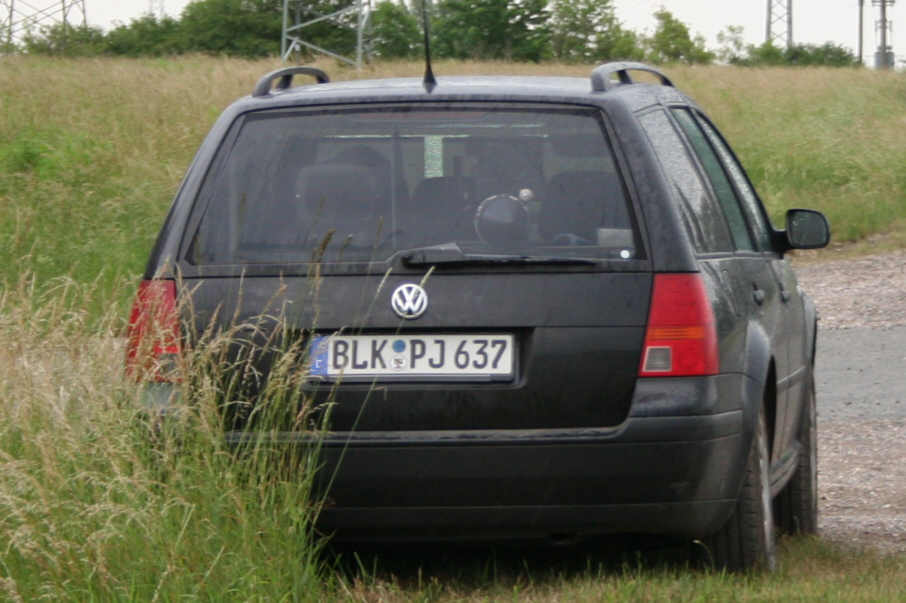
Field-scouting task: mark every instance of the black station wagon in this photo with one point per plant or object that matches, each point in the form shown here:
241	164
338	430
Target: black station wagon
545	306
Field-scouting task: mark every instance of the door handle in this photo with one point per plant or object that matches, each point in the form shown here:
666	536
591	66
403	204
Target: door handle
758	295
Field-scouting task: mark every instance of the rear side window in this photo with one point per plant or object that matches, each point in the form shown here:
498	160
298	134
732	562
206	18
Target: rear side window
353	184
719	181
701	214
750	201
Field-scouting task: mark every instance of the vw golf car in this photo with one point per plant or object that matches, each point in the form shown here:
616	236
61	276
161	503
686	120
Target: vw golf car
536	306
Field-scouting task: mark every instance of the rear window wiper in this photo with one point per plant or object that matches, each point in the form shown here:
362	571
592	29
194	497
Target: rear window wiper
451	253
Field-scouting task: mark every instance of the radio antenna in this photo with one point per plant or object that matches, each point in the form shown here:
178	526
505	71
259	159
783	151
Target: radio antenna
429	82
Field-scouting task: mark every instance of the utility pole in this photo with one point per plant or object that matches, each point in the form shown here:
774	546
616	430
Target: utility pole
861	28
779	25
884	58
884	32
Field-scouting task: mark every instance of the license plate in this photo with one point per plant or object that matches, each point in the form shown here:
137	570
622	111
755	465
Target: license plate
474	357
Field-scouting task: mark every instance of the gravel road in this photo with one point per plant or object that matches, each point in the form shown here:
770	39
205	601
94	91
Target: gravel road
861	385
861	374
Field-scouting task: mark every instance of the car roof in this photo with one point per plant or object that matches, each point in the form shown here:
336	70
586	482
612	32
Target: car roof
453	84
524	88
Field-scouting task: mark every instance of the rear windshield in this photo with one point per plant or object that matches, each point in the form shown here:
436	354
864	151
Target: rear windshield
362	184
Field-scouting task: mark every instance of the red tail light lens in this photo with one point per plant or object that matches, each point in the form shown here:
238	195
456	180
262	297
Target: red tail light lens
154	341
681	339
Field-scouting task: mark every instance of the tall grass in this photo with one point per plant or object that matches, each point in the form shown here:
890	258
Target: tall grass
100	499
91	152
826	139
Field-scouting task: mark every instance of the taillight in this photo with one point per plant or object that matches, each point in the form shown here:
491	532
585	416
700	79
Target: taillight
681	339
154	343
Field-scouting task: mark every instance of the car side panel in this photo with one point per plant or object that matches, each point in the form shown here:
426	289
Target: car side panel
800	332
736	283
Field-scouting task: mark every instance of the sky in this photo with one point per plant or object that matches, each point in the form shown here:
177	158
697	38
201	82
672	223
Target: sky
814	21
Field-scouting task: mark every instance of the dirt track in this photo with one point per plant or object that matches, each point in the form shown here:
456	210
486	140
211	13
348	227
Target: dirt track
861	384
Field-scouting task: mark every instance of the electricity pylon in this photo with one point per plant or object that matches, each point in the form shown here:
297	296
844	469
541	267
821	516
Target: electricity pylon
18	17
780	23
291	40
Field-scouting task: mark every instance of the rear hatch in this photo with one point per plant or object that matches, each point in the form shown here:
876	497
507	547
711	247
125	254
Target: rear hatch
453	266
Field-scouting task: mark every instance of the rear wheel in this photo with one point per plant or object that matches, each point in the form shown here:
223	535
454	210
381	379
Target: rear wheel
797	503
747	540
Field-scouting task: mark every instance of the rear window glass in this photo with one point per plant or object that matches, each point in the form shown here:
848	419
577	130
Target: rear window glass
359	185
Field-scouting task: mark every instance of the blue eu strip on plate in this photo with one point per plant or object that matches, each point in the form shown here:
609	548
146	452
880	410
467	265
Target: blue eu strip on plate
318	354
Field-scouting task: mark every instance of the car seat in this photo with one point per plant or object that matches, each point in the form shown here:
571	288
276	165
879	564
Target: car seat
579	202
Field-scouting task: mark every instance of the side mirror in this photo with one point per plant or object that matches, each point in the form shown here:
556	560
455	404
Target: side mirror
806	229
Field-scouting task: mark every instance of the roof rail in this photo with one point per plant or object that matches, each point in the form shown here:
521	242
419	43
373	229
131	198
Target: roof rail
600	77
263	87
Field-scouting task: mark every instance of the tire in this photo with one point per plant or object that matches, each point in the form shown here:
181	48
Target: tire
747	540
796	505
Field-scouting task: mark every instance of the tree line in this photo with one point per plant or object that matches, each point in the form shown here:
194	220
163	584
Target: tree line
580	31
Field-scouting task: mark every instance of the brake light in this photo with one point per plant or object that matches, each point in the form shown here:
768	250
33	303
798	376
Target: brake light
681	338
154	344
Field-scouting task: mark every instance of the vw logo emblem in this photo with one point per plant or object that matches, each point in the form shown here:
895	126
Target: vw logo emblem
409	301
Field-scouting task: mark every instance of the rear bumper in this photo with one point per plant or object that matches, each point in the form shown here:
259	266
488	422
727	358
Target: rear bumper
485	524
672	467
655	475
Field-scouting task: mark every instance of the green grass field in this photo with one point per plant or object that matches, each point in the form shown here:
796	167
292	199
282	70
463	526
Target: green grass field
92	508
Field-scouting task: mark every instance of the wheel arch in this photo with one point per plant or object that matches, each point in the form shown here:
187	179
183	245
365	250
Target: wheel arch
761	384
759	389
811	328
